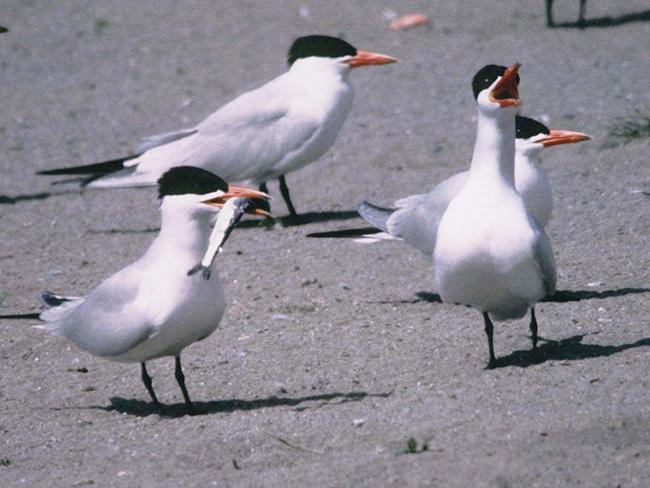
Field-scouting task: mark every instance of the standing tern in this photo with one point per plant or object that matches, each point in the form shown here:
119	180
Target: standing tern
490	253
157	305
263	134
414	219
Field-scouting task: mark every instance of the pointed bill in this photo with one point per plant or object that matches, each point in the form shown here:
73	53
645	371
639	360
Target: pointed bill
367	58
556	137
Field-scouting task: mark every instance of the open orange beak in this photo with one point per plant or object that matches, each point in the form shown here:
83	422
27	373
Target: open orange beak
367	58
240	192
506	92
561	136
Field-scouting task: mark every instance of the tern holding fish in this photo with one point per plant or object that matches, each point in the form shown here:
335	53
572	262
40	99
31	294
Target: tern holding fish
155	307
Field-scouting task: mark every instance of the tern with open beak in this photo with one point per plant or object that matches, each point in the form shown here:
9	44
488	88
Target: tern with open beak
488	249
154	307
490	253
414	219
261	135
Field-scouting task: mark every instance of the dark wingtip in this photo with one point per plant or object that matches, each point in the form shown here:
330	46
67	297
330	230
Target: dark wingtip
345	233
52	299
100	169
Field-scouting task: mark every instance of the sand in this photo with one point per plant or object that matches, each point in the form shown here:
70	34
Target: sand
331	355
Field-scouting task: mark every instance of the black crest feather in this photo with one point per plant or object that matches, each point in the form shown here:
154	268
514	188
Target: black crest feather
486	76
527	127
321	46
183	180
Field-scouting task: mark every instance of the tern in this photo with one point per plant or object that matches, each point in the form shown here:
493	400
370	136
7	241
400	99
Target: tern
158	305
261	135
414	219
490	253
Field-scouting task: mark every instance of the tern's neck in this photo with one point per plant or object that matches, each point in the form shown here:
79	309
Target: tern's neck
183	233
494	149
320	72
533	159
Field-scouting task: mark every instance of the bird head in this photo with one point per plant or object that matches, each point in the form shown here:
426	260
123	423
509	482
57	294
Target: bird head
496	88
533	136
202	193
333	51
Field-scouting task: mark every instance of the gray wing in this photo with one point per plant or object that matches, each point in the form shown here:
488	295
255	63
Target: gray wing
110	321
417	216
158	140
375	215
244	140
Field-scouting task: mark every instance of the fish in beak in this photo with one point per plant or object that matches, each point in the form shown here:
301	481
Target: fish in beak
233	205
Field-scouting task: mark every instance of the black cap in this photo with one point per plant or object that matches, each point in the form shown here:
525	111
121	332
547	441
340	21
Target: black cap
486	76
527	128
321	46
185	180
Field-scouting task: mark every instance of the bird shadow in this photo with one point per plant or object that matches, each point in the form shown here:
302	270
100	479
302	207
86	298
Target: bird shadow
569	349
422	296
27	197
304	219
560	296
607	21
141	408
124	231
286	221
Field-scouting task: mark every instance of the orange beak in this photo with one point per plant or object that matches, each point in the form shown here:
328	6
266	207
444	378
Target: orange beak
560	136
367	58
240	192
506	92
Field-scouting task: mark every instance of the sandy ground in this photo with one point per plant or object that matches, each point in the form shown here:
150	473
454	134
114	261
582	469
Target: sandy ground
331	355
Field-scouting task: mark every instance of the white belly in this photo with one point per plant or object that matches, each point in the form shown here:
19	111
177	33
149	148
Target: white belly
485	259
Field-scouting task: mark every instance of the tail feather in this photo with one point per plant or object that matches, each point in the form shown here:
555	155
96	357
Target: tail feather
375	216
95	170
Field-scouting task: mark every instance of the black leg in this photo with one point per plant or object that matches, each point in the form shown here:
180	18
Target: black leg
284	190
489	328
549	13
581	17
533	327
146	379
180	378
264	188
